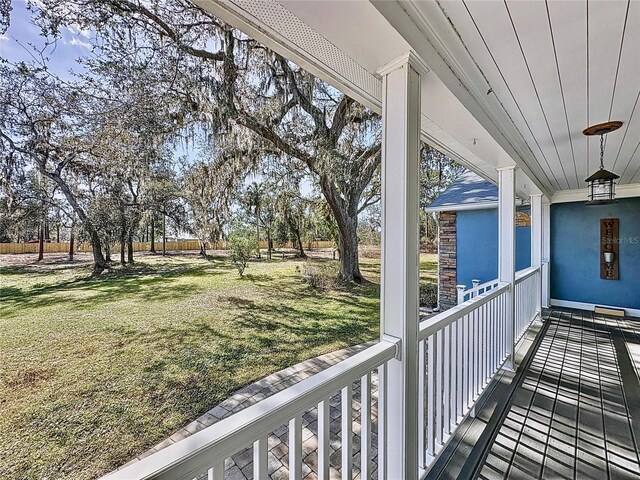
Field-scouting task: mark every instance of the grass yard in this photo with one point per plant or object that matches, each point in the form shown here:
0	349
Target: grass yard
96	371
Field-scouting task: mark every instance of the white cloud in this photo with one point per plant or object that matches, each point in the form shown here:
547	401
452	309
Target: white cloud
77	42
84	32
4	38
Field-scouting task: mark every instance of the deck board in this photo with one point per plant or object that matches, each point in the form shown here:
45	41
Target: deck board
572	412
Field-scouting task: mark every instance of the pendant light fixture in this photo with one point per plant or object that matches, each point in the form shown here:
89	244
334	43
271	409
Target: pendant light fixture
602	184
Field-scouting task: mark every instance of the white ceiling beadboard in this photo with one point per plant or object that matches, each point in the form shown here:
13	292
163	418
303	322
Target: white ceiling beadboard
557	67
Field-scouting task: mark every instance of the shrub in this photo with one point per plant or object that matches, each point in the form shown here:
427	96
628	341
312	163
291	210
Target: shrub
429	295
318	276
242	245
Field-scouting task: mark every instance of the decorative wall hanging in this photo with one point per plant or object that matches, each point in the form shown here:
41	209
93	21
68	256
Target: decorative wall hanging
609	258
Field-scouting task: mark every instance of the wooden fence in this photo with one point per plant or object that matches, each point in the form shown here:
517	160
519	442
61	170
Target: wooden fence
141	246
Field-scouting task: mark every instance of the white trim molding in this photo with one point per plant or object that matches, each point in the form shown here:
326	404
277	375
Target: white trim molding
635	312
580	195
408	58
470	206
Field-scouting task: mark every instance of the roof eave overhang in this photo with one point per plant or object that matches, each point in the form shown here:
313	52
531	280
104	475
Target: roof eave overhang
469	206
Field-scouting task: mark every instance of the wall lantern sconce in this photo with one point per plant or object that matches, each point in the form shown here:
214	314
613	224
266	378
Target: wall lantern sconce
602	184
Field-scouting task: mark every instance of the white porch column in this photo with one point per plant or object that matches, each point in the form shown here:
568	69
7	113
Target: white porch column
400	259
536	242
507	247
546	255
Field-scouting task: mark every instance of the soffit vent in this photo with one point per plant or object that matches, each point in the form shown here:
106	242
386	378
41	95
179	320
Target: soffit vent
307	42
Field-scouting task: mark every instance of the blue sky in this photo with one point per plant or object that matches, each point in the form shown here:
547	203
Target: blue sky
15	44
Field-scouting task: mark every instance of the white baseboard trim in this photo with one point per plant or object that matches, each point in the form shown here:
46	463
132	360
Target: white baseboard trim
635	312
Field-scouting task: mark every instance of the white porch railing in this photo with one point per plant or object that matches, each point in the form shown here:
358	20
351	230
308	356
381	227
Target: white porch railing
478	288
527	292
460	351
203	454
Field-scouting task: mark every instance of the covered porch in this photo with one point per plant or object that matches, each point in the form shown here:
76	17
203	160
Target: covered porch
572	410
473	390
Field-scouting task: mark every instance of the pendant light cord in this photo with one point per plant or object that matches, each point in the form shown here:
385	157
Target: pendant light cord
601	152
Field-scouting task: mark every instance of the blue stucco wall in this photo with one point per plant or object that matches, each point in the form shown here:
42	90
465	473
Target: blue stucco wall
575	252
477	246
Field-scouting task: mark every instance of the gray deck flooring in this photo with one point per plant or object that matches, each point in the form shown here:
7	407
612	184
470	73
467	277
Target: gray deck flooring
574	412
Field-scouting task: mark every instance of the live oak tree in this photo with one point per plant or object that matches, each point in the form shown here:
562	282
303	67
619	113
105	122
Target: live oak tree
207	211
243	92
437	171
39	125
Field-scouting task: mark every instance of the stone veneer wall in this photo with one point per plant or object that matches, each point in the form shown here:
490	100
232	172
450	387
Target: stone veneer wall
447	293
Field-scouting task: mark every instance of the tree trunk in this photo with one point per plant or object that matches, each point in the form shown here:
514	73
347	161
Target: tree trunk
258	230
268	244
301	253
107	253
71	243
58	233
349	263
164	235
203	248
123	246
99	263
153	235
346	217
130	248
41	243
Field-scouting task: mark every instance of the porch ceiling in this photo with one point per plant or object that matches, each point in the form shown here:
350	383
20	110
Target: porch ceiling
557	67
533	70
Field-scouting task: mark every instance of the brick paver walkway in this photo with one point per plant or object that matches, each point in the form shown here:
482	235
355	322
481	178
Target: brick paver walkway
240	465
571	416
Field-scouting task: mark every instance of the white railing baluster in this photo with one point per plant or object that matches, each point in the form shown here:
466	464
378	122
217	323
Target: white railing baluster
474	355
295	448
347	436
216	472
485	342
422	404
446	380
494	331
260	463
431	394
323	439
453	396
365	427
468	352
527	291
439	388
382	422
460	370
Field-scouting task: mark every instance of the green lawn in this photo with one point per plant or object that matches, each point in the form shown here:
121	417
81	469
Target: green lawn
96	371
